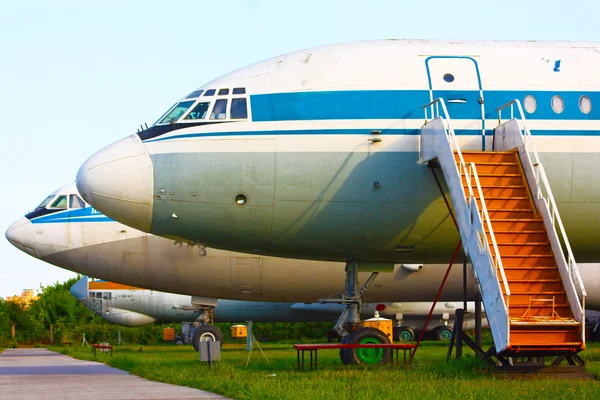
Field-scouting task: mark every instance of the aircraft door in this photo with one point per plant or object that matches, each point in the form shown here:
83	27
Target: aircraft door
456	79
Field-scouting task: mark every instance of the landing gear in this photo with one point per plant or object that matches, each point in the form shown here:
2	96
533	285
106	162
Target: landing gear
351	298
365	356
206	333
404	334
442	332
348	325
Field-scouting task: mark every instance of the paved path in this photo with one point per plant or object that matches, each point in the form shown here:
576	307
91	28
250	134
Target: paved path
45	374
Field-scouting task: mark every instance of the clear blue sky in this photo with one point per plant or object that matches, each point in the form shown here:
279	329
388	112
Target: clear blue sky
76	76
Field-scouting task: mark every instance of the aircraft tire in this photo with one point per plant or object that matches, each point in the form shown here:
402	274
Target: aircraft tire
365	356
442	332
205	333
404	334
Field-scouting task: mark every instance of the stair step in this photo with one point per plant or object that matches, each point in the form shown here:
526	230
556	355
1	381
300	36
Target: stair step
534	288
496	180
501	191
550	280
524	213
531	273
496	168
541	335
504	202
517	224
486	156
547	263
519	237
524	249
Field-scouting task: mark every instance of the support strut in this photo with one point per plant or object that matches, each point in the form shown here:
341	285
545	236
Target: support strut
351	298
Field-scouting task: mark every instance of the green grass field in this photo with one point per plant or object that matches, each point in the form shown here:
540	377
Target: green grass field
431	377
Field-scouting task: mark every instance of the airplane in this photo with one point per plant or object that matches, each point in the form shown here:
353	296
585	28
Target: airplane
330	153
65	231
131	306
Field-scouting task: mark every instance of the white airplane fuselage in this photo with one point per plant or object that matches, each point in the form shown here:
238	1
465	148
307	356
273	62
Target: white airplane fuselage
131	306
297	173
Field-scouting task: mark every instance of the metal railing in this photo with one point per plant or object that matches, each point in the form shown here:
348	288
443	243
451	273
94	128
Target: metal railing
542	185
470	172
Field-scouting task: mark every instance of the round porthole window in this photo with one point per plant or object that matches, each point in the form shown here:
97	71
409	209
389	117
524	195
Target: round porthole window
449	78
558	105
530	104
585	104
241	199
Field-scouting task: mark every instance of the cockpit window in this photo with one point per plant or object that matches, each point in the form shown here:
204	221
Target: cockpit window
199	112
45	202
75	202
177	112
223	92
210	92
239	90
239	110
195	94
60	202
219	109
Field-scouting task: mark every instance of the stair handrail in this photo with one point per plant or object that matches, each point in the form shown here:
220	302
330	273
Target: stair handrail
549	199
470	170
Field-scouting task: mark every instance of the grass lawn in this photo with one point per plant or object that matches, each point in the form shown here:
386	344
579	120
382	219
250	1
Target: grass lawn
431	377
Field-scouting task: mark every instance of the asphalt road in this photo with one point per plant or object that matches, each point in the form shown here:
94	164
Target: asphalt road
44	374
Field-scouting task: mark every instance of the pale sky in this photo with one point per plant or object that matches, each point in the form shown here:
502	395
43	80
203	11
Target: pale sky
76	75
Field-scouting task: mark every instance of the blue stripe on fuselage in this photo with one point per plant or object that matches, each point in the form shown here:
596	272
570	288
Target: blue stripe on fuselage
406	104
87	214
458	132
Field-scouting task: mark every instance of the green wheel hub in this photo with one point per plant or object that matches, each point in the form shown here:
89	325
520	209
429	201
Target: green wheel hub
405	335
445	334
369	356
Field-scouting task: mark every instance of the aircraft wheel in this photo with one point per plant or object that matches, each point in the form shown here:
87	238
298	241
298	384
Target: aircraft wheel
206	333
404	334
442	332
365	356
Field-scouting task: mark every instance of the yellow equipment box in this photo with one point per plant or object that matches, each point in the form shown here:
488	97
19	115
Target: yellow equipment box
383	324
168	334
239	331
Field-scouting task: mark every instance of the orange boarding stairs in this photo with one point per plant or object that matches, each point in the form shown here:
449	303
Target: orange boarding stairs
510	227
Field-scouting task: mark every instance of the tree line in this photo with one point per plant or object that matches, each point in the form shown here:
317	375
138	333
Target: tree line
70	320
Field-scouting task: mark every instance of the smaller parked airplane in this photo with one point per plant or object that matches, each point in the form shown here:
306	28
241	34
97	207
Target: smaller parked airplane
131	306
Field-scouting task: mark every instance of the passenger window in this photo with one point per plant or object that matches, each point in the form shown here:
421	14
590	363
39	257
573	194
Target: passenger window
210	92
177	112
558	104
98	295
223	92
106	296
60	202
194	94
218	111
75	202
92	294
199	112
530	104
239	109
239	90
585	104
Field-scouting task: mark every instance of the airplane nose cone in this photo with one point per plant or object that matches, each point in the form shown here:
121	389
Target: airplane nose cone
119	181
80	289
20	235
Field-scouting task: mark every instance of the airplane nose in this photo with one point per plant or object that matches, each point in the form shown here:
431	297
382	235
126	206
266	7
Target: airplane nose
20	235
119	181
80	289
